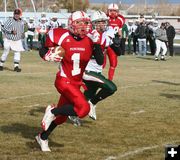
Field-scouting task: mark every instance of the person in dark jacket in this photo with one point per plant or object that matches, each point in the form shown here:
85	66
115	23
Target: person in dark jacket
124	38
170	31
141	32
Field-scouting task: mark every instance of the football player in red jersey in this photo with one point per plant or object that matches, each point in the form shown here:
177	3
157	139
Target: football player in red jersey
116	22
78	51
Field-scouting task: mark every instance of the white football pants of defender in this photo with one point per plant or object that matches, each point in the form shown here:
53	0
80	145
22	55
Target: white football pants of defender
159	45
9	44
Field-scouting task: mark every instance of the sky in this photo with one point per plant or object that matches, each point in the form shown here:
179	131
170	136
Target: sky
128	1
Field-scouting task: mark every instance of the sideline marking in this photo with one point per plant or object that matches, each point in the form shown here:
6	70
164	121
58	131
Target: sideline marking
27	73
34	105
139	150
12	98
140	85
138	112
131	153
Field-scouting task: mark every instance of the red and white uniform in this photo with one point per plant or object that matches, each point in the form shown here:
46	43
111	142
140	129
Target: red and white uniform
69	78
116	24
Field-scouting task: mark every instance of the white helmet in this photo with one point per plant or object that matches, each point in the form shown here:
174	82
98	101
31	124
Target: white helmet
99	16
79	23
113	6
155	23
99	21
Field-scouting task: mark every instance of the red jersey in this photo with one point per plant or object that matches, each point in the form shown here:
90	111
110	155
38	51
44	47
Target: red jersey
116	23
77	53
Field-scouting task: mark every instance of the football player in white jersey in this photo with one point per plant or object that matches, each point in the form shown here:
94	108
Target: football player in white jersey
30	32
54	23
98	86
42	29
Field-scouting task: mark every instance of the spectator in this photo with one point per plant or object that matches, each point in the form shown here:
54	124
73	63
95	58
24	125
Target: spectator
1	35
161	39
13	31
141	32
124	38
151	37
130	35
135	37
170	31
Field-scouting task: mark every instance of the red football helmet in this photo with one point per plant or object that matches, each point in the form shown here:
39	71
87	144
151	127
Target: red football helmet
79	24
113	10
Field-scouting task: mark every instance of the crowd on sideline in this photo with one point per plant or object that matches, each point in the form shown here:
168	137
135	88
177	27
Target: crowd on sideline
141	32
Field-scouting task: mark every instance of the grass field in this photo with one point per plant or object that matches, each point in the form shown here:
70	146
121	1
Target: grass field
134	124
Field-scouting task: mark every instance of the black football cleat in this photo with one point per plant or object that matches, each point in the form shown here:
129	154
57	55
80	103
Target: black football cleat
17	69
1	68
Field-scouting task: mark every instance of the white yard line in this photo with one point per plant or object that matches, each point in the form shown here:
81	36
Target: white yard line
31	95
26	73
19	97
30	106
141	85
139	151
138	112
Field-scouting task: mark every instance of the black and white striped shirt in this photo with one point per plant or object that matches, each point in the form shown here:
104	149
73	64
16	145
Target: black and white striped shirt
13	25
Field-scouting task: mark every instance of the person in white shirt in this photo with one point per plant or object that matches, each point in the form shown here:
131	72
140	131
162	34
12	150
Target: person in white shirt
42	29
54	23
30	33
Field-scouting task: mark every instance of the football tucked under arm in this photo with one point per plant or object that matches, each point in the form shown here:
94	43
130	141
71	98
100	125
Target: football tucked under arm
53	54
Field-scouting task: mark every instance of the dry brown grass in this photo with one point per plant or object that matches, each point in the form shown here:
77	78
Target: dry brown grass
134	124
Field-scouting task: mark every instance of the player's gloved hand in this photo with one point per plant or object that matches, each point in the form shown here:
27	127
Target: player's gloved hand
53	55
109	37
117	40
94	36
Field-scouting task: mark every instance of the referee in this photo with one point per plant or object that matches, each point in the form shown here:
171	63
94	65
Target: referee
13	31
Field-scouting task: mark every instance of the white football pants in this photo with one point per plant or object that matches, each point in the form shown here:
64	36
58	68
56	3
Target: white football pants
160	45
7	46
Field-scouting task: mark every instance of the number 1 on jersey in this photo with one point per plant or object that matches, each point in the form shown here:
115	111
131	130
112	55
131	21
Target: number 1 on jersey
76	61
